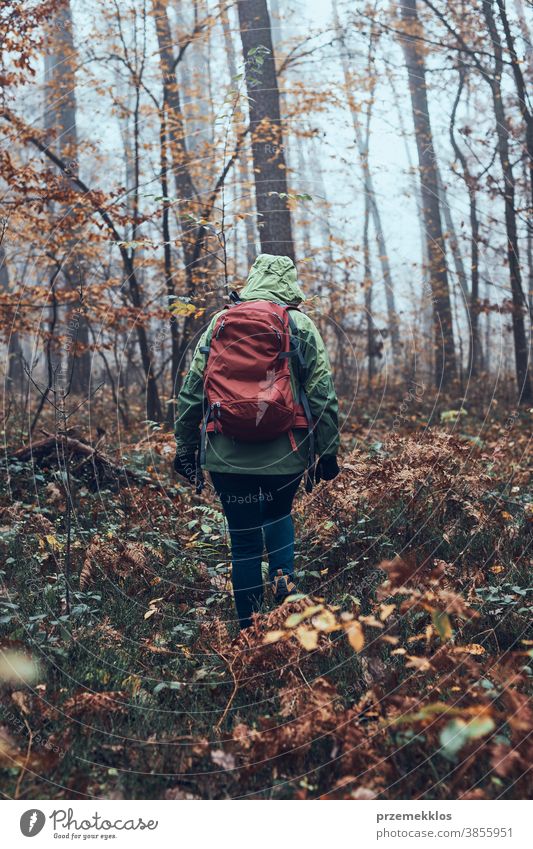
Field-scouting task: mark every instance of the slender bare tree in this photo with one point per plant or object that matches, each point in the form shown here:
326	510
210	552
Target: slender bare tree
274	219
370	192
15	372
410	36
60	122
474	348
245	176
521	347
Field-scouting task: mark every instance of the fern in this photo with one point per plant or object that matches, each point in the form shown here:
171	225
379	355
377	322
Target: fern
209	512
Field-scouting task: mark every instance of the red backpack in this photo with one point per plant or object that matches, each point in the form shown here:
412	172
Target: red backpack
247	377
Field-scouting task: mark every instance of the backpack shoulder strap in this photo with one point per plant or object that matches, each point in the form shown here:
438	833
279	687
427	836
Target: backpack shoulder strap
296	351
295	348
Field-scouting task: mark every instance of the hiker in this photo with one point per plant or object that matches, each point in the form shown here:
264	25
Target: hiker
256	408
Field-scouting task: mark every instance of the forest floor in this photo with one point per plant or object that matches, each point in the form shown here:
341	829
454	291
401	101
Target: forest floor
402	670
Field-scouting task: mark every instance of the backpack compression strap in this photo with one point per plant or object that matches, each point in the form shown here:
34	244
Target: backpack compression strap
205	349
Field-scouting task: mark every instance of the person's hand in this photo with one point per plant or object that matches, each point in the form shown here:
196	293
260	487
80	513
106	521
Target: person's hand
327	468
185	465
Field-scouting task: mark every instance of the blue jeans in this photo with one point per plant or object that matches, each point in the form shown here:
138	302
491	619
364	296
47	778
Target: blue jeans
257	505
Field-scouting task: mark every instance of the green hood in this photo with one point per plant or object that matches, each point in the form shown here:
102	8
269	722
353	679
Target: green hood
272	278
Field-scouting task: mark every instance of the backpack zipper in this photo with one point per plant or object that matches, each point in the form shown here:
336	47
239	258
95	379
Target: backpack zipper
278	334
220	329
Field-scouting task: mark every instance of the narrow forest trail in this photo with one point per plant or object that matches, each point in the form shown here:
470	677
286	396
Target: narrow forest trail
402	668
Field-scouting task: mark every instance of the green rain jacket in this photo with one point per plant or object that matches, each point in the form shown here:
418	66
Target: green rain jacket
271	278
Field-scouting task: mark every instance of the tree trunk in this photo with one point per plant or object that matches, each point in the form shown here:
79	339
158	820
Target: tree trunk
274	220
527	115
192	234
14	370
193	74
521	91
526	35
445	361
60	119
245	177
370	193
451	238
185	188
424	309
521	348
367	283
169	276
474	349
451	241
303	223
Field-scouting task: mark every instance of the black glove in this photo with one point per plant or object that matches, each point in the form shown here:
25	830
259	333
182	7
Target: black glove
327	468
185	465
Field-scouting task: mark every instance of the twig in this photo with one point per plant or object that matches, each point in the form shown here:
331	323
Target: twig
24	767
218	725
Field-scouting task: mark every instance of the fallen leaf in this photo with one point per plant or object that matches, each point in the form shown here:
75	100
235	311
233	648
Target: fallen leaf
356	637
225	760
420	663
442	625
325	621
385	611
274	636
471	648
307	638
295	618
371	621
22	701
